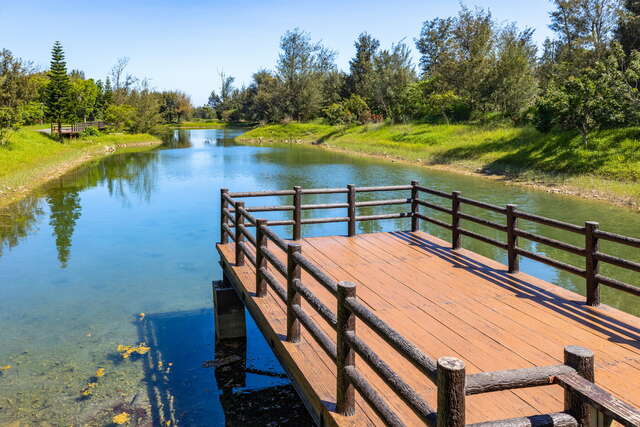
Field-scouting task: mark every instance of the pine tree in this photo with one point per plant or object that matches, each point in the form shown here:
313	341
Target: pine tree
58	91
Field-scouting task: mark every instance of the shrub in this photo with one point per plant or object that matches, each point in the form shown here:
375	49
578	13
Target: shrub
90	131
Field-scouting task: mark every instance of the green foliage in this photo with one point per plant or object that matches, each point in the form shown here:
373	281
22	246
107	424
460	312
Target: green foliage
58	98
8	122
628	31
84	94
30	113
90	131
120	116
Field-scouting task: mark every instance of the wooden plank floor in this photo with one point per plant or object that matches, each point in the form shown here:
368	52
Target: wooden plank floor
449	304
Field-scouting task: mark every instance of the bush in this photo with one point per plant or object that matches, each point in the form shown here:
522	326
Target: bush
8	122
350	111
90	131
31	113
120	116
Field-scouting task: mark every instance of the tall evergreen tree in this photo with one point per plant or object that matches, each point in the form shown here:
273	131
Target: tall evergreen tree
361	75
58	92
628	31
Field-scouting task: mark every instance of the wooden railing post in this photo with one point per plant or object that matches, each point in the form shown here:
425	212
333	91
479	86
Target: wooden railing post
451	393
455	220
582	360
351	200
591	248
415	224
293	297
261	261
224	237
297	213
239	236
346	397
512	239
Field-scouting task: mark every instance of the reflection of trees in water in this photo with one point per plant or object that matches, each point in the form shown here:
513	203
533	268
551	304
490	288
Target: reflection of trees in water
18	220
123	175
65	211
176	138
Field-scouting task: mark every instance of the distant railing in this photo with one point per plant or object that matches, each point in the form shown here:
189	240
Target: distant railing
576	375
77	128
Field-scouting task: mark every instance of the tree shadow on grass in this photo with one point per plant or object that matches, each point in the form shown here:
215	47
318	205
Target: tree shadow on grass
553	153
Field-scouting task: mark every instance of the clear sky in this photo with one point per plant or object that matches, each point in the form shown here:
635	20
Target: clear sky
181	44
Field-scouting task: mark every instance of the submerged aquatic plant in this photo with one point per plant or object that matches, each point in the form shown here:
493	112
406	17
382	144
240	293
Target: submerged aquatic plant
121	418
127	350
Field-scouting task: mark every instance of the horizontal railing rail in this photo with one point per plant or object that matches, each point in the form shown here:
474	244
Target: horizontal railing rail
448	374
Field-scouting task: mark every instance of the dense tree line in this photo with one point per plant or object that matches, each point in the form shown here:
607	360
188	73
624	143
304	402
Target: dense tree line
470	68
29	96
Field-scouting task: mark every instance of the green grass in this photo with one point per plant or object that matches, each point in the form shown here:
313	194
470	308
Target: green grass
32	157
610	164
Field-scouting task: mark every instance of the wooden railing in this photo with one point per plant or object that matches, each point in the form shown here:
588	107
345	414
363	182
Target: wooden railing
77	128
576	375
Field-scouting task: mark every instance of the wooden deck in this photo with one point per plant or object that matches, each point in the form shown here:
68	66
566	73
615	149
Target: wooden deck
447	303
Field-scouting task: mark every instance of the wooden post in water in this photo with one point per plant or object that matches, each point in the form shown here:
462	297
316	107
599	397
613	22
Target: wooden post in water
415	224
451	393
455	220
512	239
297	213
261	261
293	297
224	237
582	360
346	396
592	267
239	236
351	200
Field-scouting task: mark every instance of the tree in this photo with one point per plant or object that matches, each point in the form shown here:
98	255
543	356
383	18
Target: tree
84	95
514	84
361	74
458	53
394	72
628	31
302	69
58	94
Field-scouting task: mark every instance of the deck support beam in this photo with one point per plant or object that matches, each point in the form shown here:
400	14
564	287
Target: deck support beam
228	312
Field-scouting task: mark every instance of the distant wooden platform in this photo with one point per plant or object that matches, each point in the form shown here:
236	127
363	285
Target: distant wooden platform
448	303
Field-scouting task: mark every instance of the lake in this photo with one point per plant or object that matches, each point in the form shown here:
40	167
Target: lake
121	252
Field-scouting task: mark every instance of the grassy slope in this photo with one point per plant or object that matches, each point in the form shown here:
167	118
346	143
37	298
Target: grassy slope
32	157
610	166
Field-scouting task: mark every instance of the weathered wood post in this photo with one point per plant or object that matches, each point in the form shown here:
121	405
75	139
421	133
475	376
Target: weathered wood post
512	239
592	267
297	213
224	237
415	224
261	261
582	360
451	394
239	235
455	220
346	396
351	200
293	297
228	312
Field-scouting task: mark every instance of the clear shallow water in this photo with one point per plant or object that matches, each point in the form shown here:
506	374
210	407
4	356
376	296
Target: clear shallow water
134	233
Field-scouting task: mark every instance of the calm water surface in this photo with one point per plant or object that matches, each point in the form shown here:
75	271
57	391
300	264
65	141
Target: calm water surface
134	233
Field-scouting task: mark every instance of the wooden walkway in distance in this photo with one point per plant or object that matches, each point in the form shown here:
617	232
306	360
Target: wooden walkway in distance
447	303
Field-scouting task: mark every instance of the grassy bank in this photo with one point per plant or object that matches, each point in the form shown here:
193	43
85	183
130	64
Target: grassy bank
609	168
33	158
208	124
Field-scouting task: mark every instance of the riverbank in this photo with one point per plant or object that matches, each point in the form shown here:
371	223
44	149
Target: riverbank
33	158
609	169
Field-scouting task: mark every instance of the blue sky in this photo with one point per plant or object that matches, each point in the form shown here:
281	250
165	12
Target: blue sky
182	44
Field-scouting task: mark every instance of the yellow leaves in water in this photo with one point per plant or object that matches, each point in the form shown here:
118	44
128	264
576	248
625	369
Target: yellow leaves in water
100	372
5	368
88	390
141	316
127	350
121	418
